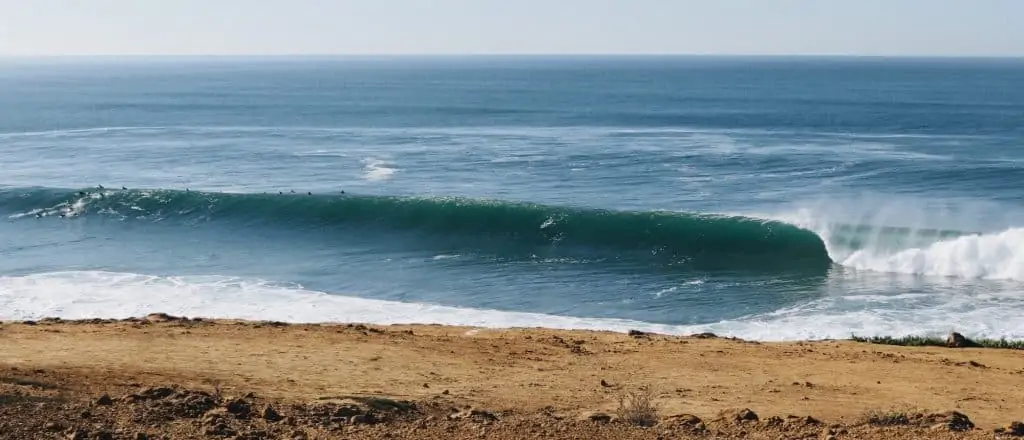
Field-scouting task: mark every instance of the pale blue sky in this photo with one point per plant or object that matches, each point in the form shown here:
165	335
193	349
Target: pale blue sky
852	27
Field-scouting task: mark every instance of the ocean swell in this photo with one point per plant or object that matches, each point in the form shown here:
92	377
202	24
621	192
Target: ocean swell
674	238
693	240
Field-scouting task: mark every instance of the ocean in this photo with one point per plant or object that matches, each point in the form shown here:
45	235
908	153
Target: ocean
766	198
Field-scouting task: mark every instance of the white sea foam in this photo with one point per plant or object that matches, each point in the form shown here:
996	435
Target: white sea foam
990	256
994	255
77	295
377	169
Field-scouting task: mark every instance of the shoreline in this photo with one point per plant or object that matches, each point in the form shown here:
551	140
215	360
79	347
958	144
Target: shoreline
562	382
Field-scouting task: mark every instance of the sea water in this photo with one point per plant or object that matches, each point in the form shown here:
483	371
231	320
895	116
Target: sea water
765	198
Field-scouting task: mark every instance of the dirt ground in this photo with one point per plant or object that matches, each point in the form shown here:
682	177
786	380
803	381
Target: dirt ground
166	377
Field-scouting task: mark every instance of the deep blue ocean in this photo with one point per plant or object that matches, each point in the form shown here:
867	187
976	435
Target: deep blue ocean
765	198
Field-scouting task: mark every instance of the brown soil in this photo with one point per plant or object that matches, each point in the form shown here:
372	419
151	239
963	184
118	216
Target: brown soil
167	377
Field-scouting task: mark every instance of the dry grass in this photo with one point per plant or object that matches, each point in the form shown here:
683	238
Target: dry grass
889	417
638	408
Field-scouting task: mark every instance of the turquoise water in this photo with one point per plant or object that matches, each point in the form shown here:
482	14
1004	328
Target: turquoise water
767	198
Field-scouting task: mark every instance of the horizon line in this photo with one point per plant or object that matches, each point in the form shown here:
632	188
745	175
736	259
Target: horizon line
509	55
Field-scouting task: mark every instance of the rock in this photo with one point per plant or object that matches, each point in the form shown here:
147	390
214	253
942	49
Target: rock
956	340
808	420
738	415
103	435
683	420
597	417
221	430
78	434
161	317
156	393
85	414
952	420
141	436
477	415
104	400
52	426
774	421
1015	429
802	421
239	408
270	414
605	383
362	419
213	418
705	335
638	334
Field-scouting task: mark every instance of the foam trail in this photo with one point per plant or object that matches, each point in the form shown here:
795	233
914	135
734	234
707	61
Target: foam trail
996	256
990	256
78	295
377	170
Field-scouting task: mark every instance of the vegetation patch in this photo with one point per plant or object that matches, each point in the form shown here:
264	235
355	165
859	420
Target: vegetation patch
931	341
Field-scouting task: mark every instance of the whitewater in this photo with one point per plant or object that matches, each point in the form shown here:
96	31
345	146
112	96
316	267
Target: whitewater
764	198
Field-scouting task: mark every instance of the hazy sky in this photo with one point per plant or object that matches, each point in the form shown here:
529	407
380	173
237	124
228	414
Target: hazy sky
862	27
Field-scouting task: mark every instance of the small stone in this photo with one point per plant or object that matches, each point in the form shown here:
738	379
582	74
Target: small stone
52	426
270	414
103	435
682	419
956	340
361	419
85	414
445	392
597	417
104	400
220	429
141	436
638	334
426	385
739	415
161	317
78	434
239	408
605	383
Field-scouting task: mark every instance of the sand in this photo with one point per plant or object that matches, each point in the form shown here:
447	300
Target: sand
523	383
